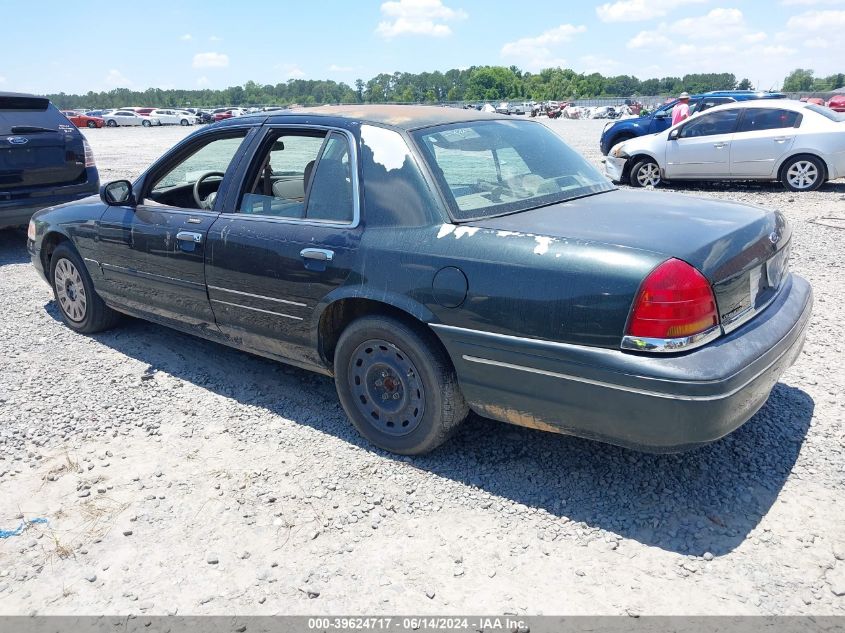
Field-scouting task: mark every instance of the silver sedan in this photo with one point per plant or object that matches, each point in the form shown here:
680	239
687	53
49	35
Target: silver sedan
801	145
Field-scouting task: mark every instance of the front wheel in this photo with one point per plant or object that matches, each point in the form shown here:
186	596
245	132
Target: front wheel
146	123
91	124
183	122
397	385
81	307
644	173
111	123
802	173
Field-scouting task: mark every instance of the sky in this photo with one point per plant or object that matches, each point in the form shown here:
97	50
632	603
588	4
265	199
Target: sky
77	47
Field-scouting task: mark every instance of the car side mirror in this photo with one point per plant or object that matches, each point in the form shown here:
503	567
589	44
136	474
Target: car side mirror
117	193
661	115
675	134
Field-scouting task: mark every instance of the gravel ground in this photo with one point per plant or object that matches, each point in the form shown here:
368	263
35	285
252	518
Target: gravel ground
178	475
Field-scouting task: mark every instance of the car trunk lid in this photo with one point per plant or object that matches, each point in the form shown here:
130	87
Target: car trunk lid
742	250
38	145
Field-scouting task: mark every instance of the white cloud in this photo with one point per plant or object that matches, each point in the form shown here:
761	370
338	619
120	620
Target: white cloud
723	26
211	60
598	64
116	79
341	69
810	3
818	42
777	51
214	38
828	20
417	17
639	10
649	39
186	37
295	73
539	51
203	82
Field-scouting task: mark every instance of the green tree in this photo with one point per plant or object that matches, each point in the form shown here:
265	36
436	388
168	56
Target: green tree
745	84
799	80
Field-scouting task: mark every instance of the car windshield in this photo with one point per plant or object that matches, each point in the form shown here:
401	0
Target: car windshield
833	115
491	168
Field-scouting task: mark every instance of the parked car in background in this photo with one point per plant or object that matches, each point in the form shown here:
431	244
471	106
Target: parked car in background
512	288
173	117
100	113
145	111
837	103
516	108
800	144
661	118
129	117
44	160
83	120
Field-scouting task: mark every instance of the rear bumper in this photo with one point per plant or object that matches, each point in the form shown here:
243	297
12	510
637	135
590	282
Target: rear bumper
18	210
658	404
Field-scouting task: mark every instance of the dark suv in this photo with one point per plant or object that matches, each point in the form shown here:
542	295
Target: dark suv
661	119
44	159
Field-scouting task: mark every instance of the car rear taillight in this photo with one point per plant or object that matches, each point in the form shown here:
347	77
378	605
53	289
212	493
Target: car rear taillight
89	154
674	301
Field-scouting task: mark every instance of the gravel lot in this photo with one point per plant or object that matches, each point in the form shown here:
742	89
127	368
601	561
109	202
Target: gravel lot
178	475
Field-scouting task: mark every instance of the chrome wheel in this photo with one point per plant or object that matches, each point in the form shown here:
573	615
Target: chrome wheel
802	174
386	387
648	174
70	290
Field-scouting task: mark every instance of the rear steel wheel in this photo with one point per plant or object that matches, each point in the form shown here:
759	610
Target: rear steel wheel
387	387
81	307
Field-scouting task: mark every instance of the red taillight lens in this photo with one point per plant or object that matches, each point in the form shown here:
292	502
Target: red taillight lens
674	301
89	155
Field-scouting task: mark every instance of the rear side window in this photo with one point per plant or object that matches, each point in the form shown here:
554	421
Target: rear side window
768	119
20	114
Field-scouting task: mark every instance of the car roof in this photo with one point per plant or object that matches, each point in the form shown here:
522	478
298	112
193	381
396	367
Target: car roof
405	117
780	104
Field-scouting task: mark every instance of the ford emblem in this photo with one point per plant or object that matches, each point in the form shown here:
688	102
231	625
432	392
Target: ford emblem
17	140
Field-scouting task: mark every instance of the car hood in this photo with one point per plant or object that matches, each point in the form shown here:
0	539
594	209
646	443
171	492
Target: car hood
719	238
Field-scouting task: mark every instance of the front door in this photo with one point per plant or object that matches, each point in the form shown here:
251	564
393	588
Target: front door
702	147
290	239
763	137
152	255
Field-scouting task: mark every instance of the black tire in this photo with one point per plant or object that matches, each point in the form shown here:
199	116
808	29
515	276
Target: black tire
111	123
429	404
803	173
66	271
183	122
91	124
146	123
645	172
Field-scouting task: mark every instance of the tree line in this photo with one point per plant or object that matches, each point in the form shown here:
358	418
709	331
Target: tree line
478	83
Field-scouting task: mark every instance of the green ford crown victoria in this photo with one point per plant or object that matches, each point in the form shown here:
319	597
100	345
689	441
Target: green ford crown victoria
436	261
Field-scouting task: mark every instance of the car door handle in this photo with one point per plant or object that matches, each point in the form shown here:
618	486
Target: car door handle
720	145
782	139
189	236
318	254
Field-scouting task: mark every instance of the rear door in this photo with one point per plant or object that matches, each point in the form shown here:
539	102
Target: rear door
38	146
763	137
290	239
153	255
702	148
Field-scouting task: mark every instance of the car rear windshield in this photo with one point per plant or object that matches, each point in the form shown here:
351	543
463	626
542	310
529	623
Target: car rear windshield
491	168
833	115
28	112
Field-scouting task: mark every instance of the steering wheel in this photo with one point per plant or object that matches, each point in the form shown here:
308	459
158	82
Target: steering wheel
208	203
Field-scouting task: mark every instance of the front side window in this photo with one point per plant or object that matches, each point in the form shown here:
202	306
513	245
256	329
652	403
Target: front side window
722	122
302	175
490	168
207	162
768	119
